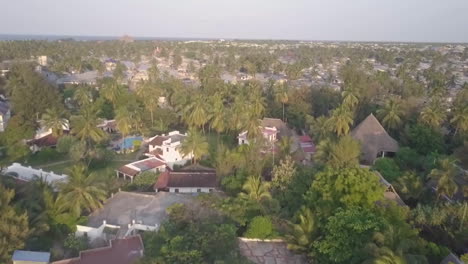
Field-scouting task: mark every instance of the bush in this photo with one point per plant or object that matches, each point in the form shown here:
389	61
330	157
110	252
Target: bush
143	181
408	158
65	143
76	244
388	168
260	227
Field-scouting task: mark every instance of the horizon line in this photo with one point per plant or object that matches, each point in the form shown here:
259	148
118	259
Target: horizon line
213	38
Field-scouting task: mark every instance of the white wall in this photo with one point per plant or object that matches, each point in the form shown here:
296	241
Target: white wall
191	190
29	173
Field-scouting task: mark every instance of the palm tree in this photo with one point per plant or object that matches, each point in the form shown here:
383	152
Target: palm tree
341	120
301	237
252	126
112	91
83	96
391	114
257	103
345	153
460	119
149	95
196	113
282	95
323	151
319	128
256	190
409	185
218	115
53	119
284	145
83	191
445	176
124	122
350	98
194	144
432	115
85	126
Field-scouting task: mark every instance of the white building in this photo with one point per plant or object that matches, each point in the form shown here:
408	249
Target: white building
268	133
28	173
131	170
42	60
166	147
192	179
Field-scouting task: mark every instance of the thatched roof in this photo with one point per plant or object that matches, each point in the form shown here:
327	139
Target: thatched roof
373	138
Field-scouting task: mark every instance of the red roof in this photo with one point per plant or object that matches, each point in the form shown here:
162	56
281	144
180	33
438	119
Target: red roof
158	140
187	179
45	141
128	171
120	251
305	138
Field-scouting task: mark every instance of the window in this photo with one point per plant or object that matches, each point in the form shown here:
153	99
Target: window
198	190
176	190
242	141
167	149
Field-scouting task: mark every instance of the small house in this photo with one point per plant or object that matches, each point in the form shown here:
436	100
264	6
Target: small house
167	148
192	179
131	170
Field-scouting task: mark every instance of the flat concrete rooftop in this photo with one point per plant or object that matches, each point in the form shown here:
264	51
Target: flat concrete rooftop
147	209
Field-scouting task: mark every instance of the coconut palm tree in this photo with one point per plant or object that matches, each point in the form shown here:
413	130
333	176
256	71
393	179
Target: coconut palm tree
345	153
282	95
149	94
112	91
432	115
194	144
85	126
460	119
53	119
256	190
341	120
350	98
445	176
323	152
301	237
391	114
252	126
83	96
218	114
284	145
83	192
195	113
409	185
124	122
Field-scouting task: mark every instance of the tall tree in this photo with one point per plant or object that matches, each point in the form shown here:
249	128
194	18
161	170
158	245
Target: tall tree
433	115
460	119
83	192
282	95
13	226
301	235
194	144
445	175
341	120
85	126
54	119
149	94
391	113
195	113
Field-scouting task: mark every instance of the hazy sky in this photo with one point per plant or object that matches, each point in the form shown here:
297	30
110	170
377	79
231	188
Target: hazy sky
362	20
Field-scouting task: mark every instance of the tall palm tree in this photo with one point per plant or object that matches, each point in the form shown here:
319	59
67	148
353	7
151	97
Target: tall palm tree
82	192
432	115
258	104
218	114
124	122
350	98
149	94
323	151
345	153
255	189
301	237
194	144
282	95
53	119
252	126
391	114
196	113
112	91
341	120
460	119
285	145
445	176
85	126
83	96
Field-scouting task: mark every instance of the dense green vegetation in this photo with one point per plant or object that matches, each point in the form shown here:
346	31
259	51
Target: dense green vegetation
332	210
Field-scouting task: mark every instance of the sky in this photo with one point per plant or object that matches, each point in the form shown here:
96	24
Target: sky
346	20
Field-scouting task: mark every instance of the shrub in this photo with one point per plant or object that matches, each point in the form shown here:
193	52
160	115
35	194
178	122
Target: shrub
388	168
260	227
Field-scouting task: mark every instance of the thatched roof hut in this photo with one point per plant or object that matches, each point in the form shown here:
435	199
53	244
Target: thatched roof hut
374	139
